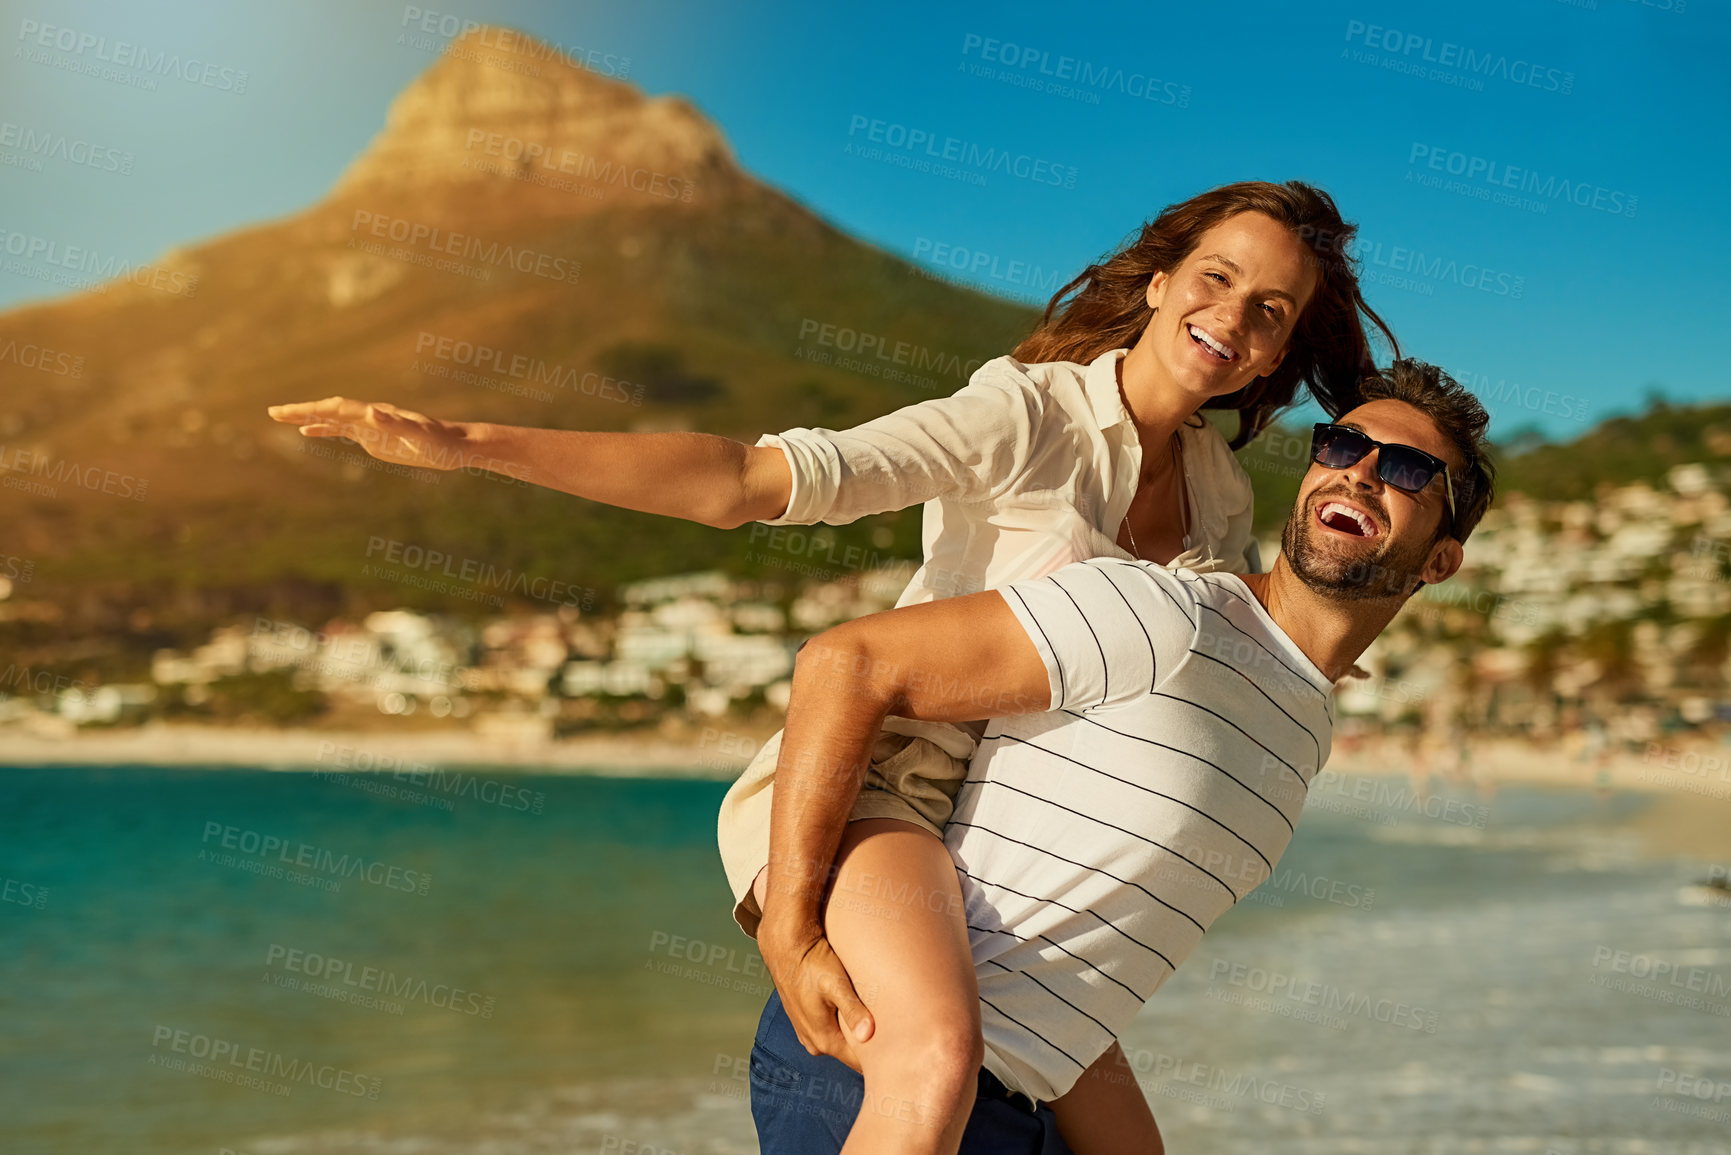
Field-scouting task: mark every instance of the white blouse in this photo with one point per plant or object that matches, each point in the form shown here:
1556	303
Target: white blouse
1022	471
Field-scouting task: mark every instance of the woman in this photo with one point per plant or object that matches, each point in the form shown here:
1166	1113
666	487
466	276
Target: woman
1087	441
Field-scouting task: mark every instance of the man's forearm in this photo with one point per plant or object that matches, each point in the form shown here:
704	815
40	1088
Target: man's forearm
696	476
833	717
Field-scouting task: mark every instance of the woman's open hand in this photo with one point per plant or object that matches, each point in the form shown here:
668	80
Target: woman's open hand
400	436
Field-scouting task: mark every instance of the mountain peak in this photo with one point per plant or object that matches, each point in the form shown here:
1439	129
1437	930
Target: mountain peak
500	102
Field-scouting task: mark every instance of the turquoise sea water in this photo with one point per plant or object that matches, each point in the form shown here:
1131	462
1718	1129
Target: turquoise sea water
243	960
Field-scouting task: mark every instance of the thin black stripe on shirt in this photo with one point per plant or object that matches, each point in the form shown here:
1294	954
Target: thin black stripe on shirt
1150	790
1084	866
1255	642
1308	733
1105	922
1033	1032
1123	829
1174	749
1049	648
1105	668
1153	663
1054	994
1019	939
1188	702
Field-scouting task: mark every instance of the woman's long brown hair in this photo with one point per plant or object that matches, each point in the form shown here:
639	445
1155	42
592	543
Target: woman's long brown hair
1106	306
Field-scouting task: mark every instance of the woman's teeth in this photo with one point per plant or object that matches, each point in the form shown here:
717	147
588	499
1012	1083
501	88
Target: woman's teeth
1209	343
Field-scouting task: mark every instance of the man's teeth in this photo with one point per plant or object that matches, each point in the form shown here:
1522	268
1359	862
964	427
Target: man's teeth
1365	525
1216	347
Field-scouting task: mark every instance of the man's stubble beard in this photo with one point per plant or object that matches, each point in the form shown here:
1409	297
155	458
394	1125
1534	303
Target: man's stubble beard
1379	575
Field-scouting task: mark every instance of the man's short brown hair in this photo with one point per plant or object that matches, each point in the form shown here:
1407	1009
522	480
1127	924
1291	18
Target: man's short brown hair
1458	415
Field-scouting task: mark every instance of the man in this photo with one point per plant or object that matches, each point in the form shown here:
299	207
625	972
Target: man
1183	718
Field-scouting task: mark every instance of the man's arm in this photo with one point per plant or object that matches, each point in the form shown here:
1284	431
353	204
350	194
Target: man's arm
1094	635
955	660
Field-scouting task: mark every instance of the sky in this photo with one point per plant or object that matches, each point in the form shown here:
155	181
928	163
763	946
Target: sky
1537	183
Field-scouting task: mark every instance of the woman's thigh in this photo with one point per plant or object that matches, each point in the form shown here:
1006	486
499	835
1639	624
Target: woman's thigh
894	916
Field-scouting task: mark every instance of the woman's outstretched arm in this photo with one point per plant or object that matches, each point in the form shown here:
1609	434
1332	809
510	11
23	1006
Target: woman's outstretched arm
696	476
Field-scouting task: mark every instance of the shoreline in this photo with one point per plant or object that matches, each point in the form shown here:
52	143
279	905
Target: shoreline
1689	783
1696	768
195	746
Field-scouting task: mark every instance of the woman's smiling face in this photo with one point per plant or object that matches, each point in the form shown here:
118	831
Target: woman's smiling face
1225	315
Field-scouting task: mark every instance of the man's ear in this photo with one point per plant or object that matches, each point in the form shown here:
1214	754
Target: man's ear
1445	558
1157	288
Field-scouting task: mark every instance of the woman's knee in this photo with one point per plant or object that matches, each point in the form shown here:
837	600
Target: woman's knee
942	1057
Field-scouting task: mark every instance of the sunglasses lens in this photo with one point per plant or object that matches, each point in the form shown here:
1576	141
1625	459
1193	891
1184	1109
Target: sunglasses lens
1338	448
1404	469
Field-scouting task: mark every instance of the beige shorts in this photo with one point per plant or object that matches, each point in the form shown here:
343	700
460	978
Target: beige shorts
910	778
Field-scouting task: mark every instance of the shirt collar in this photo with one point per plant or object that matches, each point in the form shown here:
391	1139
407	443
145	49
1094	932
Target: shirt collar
1101	386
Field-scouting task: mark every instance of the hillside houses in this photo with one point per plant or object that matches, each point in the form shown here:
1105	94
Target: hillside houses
1614	612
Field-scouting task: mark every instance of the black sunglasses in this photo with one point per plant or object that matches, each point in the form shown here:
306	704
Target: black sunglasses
1402	466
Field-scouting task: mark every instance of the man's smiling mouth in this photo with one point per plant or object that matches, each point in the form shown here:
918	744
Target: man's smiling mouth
1343	518
1214	348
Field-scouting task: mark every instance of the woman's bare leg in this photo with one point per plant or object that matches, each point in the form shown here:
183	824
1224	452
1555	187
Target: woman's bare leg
1105	1113
894	916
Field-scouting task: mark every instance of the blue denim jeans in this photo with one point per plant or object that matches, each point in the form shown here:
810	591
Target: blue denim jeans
805	1104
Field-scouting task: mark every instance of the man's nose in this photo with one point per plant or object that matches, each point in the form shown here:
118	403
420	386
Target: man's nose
1362	473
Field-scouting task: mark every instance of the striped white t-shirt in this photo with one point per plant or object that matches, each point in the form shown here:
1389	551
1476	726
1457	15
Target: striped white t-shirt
1096	843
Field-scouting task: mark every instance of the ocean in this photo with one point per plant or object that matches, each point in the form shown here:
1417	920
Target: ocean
275	963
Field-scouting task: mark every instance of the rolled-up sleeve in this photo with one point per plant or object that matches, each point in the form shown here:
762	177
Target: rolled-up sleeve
972	444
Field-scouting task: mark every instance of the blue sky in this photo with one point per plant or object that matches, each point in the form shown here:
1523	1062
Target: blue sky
1424	120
